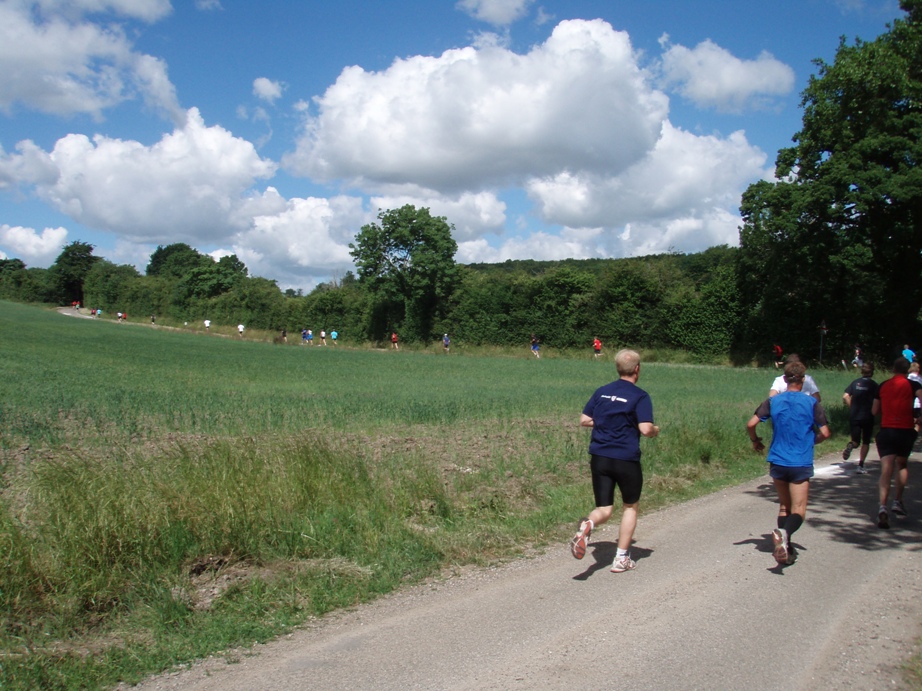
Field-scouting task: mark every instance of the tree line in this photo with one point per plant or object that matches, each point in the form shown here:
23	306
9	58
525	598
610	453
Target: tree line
672	300
830	253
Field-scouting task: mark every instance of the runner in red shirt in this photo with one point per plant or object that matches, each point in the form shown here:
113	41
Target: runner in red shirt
896	436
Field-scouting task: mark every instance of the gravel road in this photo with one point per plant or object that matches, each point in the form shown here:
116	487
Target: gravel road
706	608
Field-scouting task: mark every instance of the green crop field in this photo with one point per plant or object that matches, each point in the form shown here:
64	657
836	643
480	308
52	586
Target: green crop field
169	494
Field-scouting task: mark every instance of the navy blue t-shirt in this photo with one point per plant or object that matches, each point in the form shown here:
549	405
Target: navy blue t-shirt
616	409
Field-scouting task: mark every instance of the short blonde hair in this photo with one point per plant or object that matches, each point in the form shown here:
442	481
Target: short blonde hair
626	361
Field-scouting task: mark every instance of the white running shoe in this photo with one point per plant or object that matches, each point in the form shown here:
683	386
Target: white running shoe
622	564
780	552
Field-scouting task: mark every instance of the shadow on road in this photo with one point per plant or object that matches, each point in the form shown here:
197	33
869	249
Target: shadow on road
766	544
844	505
603	554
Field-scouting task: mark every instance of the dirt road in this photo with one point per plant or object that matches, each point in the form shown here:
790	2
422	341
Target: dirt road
706	608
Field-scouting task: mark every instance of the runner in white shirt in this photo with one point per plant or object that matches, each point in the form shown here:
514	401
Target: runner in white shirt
779	385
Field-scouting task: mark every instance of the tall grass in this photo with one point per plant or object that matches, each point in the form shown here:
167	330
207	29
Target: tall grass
166	495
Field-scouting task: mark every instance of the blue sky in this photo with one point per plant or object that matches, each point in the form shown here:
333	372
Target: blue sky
275	130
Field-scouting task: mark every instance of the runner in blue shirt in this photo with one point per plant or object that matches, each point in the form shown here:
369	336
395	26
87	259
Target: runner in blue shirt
798	423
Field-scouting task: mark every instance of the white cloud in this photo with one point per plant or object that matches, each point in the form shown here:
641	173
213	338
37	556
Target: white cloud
471	214
266	89
496	12
308	237
711	76
127	251
145	10
682	194
470	119
543	17
205	5
541	246
28	167
684	171
35	249
157	91
54	62
193	183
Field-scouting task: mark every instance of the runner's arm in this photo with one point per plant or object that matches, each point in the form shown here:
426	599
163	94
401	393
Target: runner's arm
822	434
820	424
648	429
756	440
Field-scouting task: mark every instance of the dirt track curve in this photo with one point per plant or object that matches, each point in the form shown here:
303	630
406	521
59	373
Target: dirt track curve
706	608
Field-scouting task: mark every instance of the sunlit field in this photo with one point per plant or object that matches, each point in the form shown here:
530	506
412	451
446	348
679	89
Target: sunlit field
168	494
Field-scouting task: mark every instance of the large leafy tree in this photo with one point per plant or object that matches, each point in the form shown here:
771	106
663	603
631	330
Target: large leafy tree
176	260
407	263
12	274
837	238
69	271
211	279
106	285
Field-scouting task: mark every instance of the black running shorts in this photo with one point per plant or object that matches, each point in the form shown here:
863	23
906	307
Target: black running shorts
608	472
861	431
895	442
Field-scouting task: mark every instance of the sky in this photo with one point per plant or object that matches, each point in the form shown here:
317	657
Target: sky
276	129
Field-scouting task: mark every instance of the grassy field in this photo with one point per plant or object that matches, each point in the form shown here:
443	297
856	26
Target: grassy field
168	494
